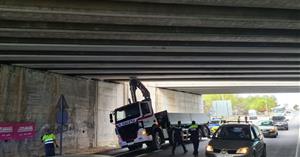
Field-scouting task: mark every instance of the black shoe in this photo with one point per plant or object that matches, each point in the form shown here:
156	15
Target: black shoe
185	151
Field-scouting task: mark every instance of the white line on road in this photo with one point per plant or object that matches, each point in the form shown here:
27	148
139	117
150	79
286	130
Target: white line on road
141	155
298	143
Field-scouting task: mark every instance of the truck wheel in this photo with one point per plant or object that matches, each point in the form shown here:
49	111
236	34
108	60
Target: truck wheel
205	131
139	146
171	137
132	148
200	134
156	143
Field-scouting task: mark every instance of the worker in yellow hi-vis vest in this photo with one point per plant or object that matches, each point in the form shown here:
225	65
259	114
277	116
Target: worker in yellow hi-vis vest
194	130
49	141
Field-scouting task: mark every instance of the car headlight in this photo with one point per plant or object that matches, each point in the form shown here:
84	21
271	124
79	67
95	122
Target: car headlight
209	148
243	150
273	130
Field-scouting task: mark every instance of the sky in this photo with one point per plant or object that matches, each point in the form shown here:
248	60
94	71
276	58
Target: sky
282	98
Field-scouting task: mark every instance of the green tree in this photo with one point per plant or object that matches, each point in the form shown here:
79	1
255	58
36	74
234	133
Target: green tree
242	104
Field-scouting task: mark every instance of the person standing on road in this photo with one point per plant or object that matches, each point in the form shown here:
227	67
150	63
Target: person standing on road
49	141
178	138
195	136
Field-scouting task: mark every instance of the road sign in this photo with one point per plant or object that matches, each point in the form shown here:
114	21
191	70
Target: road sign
62	118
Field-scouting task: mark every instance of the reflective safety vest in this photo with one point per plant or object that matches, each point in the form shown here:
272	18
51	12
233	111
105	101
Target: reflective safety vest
48	138
194	127
194	131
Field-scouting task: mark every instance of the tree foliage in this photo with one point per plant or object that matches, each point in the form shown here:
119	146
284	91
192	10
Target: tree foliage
242	104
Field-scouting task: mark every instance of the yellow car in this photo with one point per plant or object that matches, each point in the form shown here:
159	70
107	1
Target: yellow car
214	125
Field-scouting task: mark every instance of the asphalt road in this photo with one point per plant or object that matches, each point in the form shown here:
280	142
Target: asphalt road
285	145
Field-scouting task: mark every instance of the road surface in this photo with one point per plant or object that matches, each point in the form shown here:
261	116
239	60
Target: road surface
285	145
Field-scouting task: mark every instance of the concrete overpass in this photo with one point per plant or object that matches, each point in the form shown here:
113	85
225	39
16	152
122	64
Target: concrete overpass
226	46
154	39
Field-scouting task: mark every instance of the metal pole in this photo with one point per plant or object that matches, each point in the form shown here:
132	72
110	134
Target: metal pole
61	125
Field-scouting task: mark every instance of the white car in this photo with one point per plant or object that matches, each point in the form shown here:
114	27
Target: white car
268	129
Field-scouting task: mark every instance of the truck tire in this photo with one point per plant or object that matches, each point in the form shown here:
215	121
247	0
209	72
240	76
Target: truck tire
135	147
156	142
200	134
205	131
171	136
132	148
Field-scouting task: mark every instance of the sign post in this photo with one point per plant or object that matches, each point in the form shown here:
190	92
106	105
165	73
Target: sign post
61	118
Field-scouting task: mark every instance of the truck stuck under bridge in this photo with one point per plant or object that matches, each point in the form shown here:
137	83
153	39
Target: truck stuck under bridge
136	123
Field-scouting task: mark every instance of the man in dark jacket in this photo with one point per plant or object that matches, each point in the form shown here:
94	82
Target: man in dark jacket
195	136
178	138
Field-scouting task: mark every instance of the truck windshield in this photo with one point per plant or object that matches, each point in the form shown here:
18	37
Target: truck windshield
127	112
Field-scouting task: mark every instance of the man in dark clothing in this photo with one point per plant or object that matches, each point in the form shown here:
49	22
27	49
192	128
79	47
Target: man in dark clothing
177	136
195	135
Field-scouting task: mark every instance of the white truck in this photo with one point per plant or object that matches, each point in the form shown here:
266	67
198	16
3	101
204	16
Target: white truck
136	123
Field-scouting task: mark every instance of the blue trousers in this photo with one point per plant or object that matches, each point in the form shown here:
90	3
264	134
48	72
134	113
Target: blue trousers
49	149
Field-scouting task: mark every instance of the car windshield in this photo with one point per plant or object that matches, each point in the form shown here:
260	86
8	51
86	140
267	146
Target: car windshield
214	122
278	118
266	123
233	132
130	111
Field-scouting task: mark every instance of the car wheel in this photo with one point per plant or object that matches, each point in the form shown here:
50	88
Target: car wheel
264	154
254	154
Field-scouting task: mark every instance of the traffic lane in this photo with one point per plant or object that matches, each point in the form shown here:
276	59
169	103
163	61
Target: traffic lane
285	144
165	151
179	151
282	146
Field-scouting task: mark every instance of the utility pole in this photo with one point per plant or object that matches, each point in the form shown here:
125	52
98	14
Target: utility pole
267	108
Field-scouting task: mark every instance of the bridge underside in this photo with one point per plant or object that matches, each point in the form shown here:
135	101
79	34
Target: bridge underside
154	40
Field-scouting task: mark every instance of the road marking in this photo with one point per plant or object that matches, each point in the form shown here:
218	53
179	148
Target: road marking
298	143
141	155
157	151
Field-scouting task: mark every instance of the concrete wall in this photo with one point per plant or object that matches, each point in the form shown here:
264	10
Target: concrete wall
110	96
175	101
31	96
